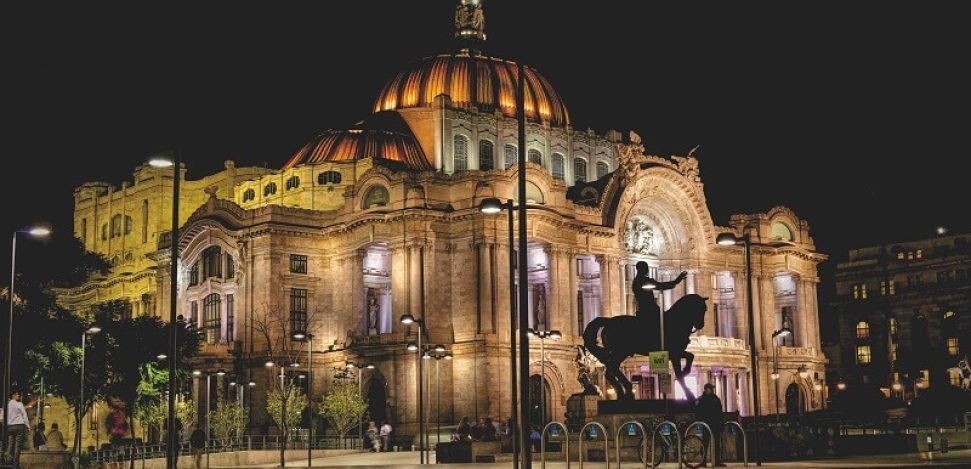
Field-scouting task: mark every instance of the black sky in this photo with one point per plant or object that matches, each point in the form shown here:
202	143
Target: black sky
854	116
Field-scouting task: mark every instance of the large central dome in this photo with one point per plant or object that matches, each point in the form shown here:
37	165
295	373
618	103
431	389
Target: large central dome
471	79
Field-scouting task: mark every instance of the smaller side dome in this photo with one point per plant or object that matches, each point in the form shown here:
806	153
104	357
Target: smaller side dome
383	136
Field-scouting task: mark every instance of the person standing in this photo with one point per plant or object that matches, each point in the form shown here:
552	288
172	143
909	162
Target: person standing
19	426
198	442
708	409
386	435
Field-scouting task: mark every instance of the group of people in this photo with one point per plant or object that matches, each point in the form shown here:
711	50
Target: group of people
378	438
484	430
19	427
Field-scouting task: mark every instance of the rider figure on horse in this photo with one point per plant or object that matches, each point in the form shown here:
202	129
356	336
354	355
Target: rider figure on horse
647	307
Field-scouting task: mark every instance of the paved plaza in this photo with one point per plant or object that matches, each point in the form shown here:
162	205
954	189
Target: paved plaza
409	460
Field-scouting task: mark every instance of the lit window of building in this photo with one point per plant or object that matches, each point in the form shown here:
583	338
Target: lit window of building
893	326
893	351
863	354
862	330
954	377
920	253
893	289
953	347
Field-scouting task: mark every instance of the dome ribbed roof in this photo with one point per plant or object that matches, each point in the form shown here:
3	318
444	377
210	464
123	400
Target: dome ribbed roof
384	136
471	79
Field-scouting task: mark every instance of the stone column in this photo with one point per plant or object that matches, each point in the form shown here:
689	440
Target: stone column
486	310
745	396
414	252
731	393
604	285
355	294
574	283
689	282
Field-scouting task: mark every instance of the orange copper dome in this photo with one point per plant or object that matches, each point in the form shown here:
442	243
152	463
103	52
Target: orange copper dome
471	79
383	136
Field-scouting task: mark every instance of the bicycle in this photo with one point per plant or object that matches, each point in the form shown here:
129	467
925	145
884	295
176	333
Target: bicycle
693	452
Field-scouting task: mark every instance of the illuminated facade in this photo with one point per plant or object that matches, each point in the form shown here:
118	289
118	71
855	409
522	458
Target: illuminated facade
363	225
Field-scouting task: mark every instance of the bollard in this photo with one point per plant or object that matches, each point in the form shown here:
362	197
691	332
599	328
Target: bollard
930	443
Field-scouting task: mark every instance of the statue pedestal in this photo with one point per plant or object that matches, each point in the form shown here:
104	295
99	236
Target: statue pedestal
580	409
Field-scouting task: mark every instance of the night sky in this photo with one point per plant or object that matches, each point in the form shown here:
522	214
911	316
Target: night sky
854	117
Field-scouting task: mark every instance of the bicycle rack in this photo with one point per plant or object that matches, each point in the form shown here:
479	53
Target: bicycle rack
676	433
643	441
711	440
542	444
583	431
744	440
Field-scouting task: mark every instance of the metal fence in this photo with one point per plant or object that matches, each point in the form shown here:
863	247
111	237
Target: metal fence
298	440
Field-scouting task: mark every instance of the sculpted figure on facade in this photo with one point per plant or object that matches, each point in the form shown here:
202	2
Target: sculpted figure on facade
639	237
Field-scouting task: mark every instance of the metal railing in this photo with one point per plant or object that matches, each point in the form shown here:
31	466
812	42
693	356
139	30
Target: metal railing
215	446
744	440
677	434
542	444
711	440
583	432
642	447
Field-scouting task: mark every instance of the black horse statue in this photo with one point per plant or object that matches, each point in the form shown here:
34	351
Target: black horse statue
625	336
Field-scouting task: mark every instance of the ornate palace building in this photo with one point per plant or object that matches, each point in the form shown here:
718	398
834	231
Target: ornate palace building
365	224
905	314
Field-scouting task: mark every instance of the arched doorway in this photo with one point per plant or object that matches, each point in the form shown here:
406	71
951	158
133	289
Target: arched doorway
795	401
377	399
539	393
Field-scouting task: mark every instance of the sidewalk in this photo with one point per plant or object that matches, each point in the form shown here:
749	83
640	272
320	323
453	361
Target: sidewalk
409	460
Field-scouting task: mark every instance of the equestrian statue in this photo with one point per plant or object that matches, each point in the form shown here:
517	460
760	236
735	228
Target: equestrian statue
625	336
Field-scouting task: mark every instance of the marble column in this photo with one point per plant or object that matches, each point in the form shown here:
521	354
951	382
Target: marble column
486	310
604	285
574	282
731	393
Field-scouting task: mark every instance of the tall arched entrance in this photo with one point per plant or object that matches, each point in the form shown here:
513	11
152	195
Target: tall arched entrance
377	400
539	393
795	401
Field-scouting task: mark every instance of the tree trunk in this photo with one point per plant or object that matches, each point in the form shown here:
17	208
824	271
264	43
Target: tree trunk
131	425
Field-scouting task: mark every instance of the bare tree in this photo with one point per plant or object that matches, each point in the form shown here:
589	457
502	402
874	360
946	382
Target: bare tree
277	327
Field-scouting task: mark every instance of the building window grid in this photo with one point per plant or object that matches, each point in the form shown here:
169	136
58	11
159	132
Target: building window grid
862	330
509	156
955	377
579	170
194	274
212	265
486	155
329	177
460	153
293	182
602	169
863	354
558	170
211	319
230	318
298	263
893	326
298	310
535	157
953	346
194	313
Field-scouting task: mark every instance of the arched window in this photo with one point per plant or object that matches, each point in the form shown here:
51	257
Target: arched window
862	330
115	226
211	315
486	156
269	189
533	194
248	195
781	232
558	162
293	182
602	169
329	177
376	196
510	155
460	153
534	156
579	170
212	262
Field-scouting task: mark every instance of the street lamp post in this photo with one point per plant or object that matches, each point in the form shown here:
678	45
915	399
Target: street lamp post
438	356
171	456
489	206
542	335
36	232
409	319
775	365
80	409
310	386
